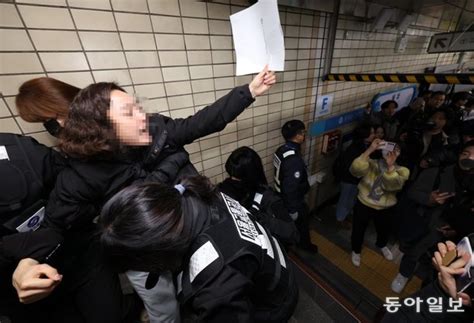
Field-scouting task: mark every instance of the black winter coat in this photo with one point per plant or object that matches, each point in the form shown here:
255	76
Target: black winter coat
83	188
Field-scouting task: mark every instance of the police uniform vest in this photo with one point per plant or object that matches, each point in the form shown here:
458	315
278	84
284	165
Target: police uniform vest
21	188
279	156
232	235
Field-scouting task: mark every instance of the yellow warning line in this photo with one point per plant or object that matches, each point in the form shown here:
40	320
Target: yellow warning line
394	78
431	79
375	272
452	80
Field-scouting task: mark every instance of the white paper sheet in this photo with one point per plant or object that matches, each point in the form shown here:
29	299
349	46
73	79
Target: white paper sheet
258	38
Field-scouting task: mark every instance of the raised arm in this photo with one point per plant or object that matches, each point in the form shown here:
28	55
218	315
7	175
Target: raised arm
216	116
361	165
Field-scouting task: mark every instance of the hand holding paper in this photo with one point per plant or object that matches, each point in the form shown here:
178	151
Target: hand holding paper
258	38
262	82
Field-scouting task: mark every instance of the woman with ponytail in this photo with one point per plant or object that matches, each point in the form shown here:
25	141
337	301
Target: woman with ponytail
227	267
248	185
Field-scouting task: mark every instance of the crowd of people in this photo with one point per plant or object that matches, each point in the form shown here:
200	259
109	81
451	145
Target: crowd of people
415	181
118	197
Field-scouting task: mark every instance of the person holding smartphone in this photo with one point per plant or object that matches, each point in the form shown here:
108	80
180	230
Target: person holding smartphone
444	288
439	205
380	180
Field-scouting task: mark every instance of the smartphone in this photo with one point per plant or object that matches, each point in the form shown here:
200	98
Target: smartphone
465	280
450	256
387	146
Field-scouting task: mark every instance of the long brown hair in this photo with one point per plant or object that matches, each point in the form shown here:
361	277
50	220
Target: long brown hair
44	98
88	131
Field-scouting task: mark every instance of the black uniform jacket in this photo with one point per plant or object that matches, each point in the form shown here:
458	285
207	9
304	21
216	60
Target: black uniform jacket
235	270
266	207
293	178
30	174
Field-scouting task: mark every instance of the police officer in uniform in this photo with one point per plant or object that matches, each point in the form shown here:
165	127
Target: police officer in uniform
291	179
228	268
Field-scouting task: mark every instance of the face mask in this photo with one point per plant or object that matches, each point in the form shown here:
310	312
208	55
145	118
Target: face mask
467	164
53	127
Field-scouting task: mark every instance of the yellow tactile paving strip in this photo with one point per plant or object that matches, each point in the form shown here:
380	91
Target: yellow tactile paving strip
375	272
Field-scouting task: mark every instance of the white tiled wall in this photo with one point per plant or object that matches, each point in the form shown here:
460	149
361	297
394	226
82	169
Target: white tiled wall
179	54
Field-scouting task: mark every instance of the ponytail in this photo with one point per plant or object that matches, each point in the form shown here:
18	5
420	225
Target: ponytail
200	187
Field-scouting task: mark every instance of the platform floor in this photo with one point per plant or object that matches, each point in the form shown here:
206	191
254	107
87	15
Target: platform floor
349	293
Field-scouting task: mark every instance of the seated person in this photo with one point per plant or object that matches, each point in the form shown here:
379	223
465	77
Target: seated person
228	268
248	185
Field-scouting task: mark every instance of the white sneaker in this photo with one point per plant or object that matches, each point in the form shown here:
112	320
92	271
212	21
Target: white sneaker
356	259
387	253
399	283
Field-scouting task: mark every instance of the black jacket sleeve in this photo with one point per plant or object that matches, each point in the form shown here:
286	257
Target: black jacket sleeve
279	222
421	189
211	119
168	169
34	244
71	202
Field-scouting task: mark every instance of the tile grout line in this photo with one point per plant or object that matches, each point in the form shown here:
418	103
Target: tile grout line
80	42
121	45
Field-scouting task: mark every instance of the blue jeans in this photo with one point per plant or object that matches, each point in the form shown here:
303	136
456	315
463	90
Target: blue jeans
346	200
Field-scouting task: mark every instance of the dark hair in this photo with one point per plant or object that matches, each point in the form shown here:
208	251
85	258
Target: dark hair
291	128
44	98
245	164
387	103
440	110
88	131
427	92
470	103
468	144
467	128
362	132
460	96
438	93
143	227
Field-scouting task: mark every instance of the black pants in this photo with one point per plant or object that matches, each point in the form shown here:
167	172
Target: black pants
302	224
414	252
360	221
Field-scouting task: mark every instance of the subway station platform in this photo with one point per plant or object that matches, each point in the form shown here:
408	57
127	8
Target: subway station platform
332	289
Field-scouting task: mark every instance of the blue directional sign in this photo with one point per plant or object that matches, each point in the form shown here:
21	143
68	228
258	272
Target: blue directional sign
324	104
403	97
321	126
